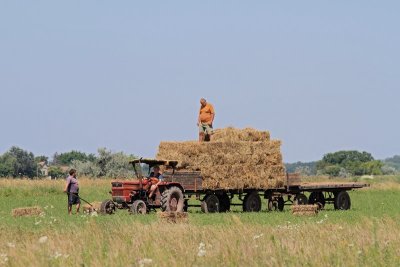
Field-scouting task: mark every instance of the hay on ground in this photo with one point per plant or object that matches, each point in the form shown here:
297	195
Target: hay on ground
28	211
305	210
173	217
241	160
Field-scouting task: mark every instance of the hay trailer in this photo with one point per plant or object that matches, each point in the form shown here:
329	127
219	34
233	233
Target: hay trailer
181	185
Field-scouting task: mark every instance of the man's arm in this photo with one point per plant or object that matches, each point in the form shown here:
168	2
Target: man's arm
198	119
212	111
66	185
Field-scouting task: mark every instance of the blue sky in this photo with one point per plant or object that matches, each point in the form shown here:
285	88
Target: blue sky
320	75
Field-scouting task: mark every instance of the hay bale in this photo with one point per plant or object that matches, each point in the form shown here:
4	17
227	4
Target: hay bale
231	134
28	211
305	210
89	209
173	217
235	159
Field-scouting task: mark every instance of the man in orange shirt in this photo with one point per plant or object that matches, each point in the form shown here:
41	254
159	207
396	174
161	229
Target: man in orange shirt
205	120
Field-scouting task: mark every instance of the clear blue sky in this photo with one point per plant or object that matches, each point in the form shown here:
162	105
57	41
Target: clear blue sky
320	75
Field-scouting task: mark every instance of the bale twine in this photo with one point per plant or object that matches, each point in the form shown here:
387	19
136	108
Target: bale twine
305	210
173	217
28	211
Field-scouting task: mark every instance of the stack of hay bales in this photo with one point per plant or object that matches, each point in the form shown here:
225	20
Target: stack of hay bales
235	159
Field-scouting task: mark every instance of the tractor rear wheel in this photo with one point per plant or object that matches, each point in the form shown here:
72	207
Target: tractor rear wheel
172	200
224	202
138	207
210	204
107	207
252	202
342	201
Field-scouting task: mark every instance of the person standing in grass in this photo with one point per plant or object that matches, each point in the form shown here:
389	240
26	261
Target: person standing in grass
205	120
72	189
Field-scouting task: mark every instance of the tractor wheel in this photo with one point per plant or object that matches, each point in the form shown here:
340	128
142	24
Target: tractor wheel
172	200
281	203
138	207
301	199
107	207
224	202
252	202
317	198
342	201
210	204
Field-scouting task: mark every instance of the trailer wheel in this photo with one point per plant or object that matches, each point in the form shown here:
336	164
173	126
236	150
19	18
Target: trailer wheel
252	202
139	207
317	198
224	202
301	199
172	200
281	203
210	204
342	201
107	207
272	205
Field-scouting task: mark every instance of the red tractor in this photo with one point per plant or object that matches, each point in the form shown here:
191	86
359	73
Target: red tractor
134	194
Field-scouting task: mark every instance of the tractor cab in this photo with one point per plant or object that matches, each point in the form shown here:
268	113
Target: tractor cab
134	194
143	167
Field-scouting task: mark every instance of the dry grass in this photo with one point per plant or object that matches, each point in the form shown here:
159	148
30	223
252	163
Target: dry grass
173	217
372	242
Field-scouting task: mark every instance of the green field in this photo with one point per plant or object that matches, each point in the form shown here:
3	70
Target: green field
366	235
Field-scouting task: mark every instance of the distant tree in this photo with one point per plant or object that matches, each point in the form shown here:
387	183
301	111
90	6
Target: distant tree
68	157
346	163
42	159
56	172
17	162
305	168
393	162
108	164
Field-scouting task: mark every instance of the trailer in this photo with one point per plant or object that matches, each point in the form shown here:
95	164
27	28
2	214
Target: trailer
179	186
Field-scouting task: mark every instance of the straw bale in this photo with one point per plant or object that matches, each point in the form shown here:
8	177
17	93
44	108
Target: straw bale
28	211
305	210
248	134
240	160
173	217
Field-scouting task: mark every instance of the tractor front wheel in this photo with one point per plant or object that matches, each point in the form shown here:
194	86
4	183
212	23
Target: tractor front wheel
138	207
107	207
172	200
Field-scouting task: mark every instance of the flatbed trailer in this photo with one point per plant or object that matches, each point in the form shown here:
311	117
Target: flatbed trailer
293	192
179	186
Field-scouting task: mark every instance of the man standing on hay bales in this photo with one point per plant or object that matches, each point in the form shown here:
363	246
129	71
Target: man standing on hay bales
72	189
205	121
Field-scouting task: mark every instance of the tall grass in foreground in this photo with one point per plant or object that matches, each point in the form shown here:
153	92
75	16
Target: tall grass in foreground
372	242
366	235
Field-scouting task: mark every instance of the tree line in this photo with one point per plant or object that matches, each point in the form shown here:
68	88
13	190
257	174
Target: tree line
346	164
19	163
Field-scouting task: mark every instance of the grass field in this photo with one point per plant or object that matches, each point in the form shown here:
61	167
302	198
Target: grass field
366	235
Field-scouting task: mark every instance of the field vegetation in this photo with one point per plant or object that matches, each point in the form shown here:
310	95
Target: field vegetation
366	235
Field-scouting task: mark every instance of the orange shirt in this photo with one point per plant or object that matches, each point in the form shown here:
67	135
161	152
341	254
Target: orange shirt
206	113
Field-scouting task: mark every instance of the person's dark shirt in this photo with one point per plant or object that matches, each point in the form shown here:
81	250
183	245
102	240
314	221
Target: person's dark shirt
158	176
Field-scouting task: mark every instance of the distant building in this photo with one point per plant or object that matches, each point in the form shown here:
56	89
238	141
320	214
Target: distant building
43	168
